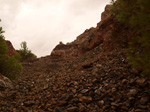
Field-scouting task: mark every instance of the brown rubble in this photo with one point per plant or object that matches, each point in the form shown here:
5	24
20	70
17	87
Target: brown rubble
89	77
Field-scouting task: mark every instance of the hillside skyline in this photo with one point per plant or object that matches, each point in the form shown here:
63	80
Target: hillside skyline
44	24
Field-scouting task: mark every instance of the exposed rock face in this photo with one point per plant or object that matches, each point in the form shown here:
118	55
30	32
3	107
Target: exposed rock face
106	13
5	83
11	50
107	34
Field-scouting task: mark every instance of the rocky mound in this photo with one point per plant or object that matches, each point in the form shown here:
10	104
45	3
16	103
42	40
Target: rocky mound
91	74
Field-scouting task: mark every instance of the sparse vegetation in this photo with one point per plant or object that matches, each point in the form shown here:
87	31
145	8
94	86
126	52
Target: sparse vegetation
25	53
136	13
9	66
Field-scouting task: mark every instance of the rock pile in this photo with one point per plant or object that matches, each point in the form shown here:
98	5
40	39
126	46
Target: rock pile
95	78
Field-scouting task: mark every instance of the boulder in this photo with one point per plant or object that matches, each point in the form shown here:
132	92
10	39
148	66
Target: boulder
5	83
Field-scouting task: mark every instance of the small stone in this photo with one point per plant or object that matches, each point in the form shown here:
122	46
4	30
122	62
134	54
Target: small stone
1	95
22	103
94	81
114	104
124	108
54	88
74	90
97	91
72	109
30	111
57	109
113	89
140	81
94	111
65	97
75	83
62	103
85	99
132	92
143	100
17	86
75	100
84	91
101	102
148	106
81	108
45	86
138	110
131	98
142	106
29	103
106	84
124	80
80	95
132	81
99	65
47	106
53	101
14	110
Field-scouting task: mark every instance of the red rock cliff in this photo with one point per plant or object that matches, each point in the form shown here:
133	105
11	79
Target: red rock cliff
107	33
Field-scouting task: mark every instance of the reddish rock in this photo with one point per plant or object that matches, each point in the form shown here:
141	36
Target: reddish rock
11	50
98	79
62	103
65	50
106	13
107	33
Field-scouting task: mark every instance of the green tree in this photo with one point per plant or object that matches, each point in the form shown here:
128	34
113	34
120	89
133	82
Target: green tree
9	66
25	53
3	45
112	1
136	13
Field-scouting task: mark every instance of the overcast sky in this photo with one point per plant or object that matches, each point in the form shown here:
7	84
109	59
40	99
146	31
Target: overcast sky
44	23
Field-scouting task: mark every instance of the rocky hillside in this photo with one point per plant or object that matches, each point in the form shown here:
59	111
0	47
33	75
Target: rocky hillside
90	74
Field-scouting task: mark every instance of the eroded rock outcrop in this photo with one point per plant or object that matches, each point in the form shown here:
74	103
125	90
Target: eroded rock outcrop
107	34
11	50
65	50
106	14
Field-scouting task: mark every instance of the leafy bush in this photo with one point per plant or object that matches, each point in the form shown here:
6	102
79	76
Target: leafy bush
3	46
136	13
9	66
25	53
17	56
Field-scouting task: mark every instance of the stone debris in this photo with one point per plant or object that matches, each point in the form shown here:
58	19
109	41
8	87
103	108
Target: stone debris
91	74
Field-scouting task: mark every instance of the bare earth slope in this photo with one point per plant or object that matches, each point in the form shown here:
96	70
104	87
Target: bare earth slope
91	74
